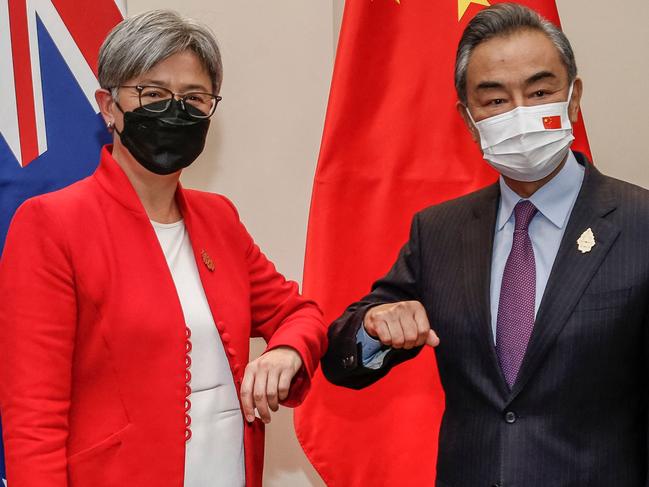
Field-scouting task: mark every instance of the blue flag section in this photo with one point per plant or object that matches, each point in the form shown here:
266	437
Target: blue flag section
73	131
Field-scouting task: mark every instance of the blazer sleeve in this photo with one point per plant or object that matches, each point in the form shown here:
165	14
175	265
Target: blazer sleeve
37	333
283	317
342	364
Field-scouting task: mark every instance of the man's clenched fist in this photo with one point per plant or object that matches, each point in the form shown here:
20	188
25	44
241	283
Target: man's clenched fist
400	325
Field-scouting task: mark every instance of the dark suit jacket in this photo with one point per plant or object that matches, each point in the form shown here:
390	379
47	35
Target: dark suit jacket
577	414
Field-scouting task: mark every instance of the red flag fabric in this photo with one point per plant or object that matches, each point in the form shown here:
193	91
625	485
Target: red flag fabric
393	144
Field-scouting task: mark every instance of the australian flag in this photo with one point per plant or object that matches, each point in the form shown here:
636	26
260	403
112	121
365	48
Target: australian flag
50	127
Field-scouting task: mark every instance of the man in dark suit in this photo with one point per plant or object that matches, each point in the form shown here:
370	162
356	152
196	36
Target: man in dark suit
536	287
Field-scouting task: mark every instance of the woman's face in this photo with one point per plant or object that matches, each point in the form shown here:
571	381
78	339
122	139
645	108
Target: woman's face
181	73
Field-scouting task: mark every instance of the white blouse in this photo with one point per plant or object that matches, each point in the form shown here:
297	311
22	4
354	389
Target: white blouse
214	453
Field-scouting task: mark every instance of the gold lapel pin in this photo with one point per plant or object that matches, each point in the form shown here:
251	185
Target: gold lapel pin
586	242
207	260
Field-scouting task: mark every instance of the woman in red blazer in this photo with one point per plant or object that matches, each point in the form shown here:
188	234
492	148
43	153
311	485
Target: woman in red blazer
96	371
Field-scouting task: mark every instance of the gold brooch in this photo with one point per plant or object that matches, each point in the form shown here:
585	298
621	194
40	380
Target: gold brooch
586	242
207	260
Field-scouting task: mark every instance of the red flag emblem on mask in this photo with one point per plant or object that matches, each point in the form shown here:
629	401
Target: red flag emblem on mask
552	122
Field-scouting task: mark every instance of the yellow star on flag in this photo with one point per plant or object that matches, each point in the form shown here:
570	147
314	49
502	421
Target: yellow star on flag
462	5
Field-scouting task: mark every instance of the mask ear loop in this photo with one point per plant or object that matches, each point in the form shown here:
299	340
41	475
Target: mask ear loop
572	86
569	100
468	112
112	125
114	128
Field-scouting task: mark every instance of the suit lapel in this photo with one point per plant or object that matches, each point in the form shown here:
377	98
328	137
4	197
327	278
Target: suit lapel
477	248
572	269
143	255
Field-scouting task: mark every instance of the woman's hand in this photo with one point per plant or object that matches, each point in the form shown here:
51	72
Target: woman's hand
267	381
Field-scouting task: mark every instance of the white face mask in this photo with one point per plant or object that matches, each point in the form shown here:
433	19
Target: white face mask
527	143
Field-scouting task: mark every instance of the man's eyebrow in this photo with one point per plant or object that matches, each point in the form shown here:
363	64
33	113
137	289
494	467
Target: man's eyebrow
539	76
489	85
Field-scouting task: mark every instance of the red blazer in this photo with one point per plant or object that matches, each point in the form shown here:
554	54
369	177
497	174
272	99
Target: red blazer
92	370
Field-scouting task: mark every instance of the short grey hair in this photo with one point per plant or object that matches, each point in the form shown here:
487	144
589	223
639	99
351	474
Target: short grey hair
138	43
501	20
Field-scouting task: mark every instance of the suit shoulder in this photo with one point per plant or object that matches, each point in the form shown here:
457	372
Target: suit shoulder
48	214
59	202
626	188
70	193
459	209
629	196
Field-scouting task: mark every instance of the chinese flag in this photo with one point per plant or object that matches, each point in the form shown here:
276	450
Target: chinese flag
552	122
393	144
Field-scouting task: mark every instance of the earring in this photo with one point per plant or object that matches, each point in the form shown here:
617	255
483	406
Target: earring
109	126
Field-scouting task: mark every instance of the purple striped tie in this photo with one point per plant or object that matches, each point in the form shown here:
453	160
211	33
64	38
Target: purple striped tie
517	296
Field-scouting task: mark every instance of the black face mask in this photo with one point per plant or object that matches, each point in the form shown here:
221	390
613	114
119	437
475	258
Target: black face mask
164	142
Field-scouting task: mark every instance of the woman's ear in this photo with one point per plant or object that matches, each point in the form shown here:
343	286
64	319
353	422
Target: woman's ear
106	106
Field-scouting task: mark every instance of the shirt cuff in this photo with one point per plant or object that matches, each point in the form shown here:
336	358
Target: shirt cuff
371	353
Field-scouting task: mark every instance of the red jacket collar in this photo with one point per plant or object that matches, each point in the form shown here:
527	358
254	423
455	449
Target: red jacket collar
112	178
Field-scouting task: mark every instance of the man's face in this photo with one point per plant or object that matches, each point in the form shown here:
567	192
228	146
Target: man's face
521	69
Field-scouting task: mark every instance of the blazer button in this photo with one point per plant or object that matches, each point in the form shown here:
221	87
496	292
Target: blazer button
220	326
349	362
232	352
225	337
510	417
